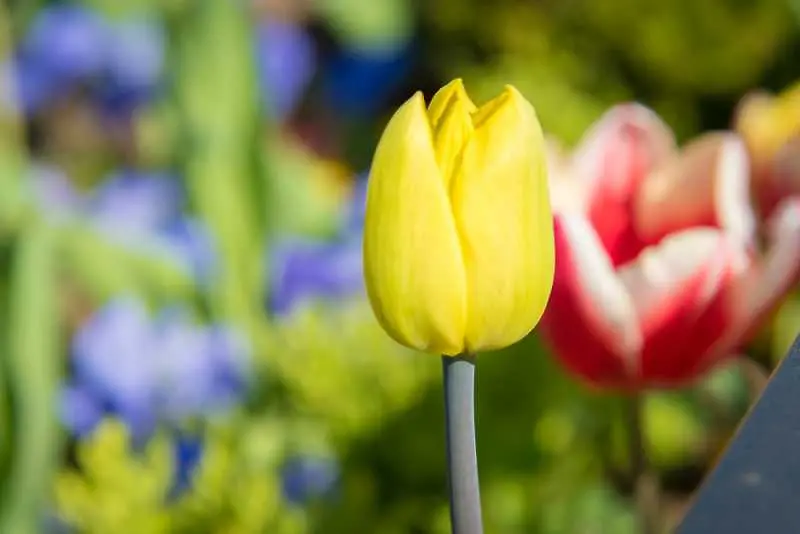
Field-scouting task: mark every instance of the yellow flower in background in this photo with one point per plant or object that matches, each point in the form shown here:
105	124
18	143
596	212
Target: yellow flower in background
770	126
458	239
767	122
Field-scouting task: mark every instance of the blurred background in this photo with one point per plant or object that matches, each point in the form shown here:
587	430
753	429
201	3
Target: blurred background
185	344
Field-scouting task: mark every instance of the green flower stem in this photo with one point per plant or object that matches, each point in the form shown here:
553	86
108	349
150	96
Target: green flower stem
646	487
462	461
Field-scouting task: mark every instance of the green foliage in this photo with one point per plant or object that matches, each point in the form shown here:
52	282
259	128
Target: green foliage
704	48
369	25
105	269
215	97
592	509
574	59
339	366
306	195
12	157
115	491
674	432
785	328
115	488
112	9
31	371
336	379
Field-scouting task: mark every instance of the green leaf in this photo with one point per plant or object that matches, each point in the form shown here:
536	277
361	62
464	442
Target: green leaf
114	9
376	25
32	362
217	108
105	268
306	195
12	153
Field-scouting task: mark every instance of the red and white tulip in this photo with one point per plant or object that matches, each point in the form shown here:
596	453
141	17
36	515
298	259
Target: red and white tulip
660	268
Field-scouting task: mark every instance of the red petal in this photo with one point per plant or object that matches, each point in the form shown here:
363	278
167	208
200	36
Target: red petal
590	321
681	291
768	281
613	159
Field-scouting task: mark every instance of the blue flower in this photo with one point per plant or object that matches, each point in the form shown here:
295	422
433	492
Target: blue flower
188	452
148	370
359	82
304	271
286	62
307	478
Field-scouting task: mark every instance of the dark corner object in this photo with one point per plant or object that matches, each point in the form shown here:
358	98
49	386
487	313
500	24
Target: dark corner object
755	488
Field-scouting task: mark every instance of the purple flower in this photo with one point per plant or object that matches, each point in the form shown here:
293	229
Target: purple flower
53	192
135	60
24	87
201	370
304	271
79	410
135	203
64	45
286	62
120	63
144	211
307	478
114	361
141	211
67	42
148	370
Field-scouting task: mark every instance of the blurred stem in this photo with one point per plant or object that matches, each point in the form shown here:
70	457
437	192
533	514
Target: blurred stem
462	460
755	375
32	361
11	138
10	128
646	489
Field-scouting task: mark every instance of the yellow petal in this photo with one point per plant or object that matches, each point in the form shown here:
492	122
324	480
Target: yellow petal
502	210
450	135
412	258
445	97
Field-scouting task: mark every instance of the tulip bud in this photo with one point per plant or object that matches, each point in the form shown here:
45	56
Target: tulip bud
458	239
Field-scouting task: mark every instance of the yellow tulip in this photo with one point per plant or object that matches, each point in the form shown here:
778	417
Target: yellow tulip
768	122
458	239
